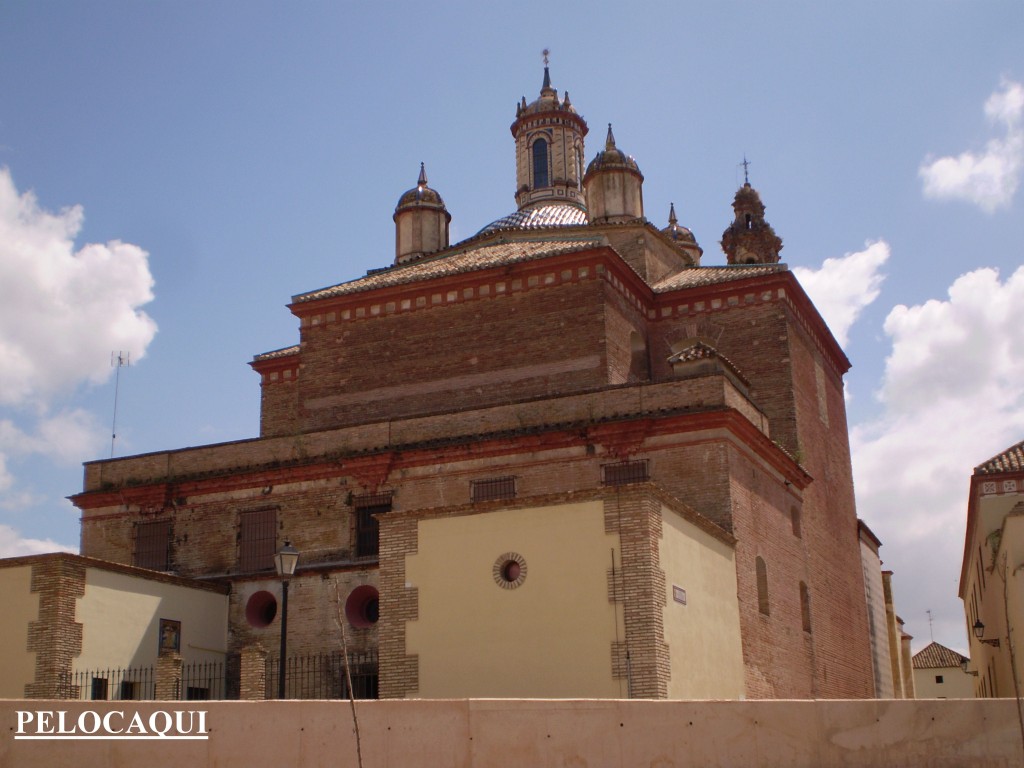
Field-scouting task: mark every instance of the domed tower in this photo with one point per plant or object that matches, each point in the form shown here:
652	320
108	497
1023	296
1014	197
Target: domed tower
750	239
682	237
421	222
614	186
549	150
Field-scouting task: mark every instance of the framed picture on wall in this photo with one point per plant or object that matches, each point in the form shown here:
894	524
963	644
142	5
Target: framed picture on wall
170	635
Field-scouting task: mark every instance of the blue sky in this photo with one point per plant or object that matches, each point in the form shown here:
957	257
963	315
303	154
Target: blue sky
172	173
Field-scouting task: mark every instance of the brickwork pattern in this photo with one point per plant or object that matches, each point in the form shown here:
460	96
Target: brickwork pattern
252	673
643	656
168	677
55	636
558	330
399	604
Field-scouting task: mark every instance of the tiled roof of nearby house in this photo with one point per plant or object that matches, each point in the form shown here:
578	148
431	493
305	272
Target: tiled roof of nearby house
286	352
935	656
1010	460
455	263
699	276
700	351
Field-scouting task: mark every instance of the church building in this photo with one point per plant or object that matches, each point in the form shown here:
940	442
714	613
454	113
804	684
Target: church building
561	458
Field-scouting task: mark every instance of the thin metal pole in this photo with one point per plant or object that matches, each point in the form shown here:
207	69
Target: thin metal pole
284	638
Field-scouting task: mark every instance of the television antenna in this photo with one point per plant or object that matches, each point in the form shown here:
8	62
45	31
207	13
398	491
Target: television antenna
118	360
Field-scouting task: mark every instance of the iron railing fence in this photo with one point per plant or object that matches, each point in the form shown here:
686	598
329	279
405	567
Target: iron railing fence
111	684
199	681
202	680
322	676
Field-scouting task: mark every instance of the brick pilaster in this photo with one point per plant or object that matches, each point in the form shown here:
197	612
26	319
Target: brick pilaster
635	515
168	677
399	672
253	673
55	636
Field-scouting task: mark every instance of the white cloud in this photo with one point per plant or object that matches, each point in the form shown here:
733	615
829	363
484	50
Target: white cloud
64	310
12	544
67	437
844	286
953	396
989	178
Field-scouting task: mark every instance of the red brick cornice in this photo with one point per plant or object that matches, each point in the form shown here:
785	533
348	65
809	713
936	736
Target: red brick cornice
620	438
794	296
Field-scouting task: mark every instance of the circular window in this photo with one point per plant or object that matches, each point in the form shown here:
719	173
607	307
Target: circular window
509	570
261	609
362	609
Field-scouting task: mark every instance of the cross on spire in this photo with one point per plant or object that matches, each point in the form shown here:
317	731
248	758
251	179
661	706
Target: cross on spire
746	169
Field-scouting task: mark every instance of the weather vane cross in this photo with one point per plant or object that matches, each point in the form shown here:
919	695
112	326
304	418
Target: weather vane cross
746	170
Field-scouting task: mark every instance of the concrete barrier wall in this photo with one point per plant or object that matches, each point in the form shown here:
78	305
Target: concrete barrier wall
519	733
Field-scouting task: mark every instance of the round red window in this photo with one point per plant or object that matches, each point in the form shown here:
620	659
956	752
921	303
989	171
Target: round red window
362	609
261	609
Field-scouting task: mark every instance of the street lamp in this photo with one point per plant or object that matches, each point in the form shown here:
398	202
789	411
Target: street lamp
979	632
964	663
285	561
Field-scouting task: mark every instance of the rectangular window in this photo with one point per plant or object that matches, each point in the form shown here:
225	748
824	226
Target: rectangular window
938	679
129	690
625	472
257	540
99	689
493	488
153	545
367	526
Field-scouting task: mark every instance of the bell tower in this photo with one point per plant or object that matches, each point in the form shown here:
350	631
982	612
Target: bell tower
750	239
549	149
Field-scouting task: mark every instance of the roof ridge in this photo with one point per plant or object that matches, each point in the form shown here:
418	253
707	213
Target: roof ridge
1009	460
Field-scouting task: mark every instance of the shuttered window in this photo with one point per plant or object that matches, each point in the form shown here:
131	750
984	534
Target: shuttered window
625	472
257	540
153	545
367	527
493	488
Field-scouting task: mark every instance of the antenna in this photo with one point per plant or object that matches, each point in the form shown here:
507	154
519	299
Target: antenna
930	633
118	360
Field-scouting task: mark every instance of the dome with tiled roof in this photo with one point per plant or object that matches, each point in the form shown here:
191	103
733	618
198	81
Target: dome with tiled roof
420	195
547	101
612	158
675	230
555	215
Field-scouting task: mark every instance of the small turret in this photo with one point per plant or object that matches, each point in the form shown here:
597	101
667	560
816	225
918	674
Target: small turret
614	186
682	236
421	222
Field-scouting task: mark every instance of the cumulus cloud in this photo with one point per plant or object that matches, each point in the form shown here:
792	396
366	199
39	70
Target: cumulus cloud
988	178
952	396
64	310
13	545
842	287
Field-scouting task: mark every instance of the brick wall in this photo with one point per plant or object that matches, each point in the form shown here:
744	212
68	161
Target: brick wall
486	350
643	656
55	637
